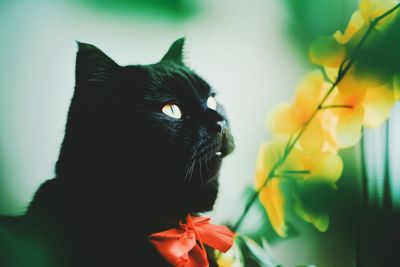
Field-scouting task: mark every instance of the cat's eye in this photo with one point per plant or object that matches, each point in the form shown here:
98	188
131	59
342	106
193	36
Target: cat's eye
212	103
172	110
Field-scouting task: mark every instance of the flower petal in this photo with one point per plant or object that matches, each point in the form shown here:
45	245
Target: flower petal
370	9
309	93
284	120
272	198
396	86
348	128
327	166
312	138
344	104
378	102
328	122
261	169
296	160
268	155
350	83
355	24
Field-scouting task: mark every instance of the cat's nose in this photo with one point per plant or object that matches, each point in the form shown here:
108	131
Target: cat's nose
220	126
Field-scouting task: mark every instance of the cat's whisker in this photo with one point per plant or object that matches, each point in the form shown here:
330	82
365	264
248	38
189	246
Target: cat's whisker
187	169
201	177
194	158
186	174
205	162
191	171
189	166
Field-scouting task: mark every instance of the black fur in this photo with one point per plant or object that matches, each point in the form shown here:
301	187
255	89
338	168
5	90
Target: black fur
125	169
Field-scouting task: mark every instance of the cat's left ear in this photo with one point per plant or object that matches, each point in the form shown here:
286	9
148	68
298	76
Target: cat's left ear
175	52
93	67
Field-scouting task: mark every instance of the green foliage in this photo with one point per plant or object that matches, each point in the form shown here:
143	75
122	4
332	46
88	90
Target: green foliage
379	61
18	248
166	9
311	18
256	255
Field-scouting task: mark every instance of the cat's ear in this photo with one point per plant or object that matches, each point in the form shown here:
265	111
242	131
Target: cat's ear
175	52
93	67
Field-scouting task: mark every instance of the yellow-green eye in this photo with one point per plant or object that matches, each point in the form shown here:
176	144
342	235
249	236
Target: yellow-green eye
212	103
172	110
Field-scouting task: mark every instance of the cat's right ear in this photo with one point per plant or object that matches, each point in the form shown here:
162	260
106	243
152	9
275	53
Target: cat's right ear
175	52
93	67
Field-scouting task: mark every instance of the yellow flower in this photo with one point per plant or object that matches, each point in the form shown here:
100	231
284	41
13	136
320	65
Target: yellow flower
285	120
309	94
271	196
289	119
377	103
362	106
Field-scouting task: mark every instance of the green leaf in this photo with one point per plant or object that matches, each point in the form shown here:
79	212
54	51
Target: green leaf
259	253
326	51
312	200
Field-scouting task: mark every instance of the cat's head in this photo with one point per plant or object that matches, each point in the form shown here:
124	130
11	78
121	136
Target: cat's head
153	132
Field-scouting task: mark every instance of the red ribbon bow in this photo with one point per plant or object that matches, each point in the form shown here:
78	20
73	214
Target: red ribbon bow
183	246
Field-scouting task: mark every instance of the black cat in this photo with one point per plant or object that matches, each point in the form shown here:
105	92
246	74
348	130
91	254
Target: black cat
143	147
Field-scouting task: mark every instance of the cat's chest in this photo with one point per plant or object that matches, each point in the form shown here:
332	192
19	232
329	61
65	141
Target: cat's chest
109	245
116	249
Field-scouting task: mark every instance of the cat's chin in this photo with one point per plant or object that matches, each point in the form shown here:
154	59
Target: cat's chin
202	198
202	190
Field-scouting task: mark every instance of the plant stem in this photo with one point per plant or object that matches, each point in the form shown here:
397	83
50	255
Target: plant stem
345	67
336	106
296	172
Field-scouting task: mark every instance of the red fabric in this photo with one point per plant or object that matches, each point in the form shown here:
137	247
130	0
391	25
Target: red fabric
183	246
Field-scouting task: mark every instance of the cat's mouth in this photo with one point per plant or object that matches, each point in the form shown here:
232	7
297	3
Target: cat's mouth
203	167
205	163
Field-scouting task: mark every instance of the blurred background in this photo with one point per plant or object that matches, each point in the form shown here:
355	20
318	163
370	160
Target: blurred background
252	52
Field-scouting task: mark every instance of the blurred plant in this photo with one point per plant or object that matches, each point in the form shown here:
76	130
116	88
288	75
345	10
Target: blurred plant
356	85
173	10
